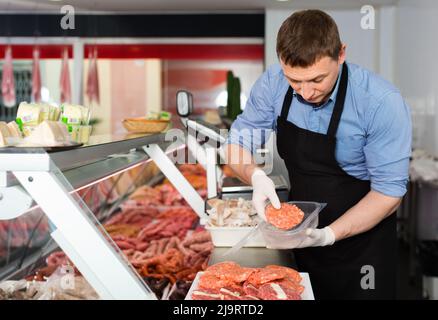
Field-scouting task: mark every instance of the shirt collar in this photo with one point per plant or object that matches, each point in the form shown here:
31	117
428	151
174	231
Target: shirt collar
332	96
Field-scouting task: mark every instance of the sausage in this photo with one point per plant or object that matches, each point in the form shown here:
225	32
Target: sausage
141	246
161	245
124	245
206	246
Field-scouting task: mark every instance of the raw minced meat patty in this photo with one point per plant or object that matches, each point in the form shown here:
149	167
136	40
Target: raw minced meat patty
287	217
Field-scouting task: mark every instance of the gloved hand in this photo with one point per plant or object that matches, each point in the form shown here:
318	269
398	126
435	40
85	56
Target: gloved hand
318	238
263	189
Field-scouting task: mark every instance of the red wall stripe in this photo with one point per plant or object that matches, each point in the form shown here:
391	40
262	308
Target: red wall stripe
143	51
24	51
179	51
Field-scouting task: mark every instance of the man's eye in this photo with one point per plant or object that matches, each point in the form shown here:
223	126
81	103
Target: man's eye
317	80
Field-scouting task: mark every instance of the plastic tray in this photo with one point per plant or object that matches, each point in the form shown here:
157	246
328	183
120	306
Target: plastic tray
284	239
229	236
305	282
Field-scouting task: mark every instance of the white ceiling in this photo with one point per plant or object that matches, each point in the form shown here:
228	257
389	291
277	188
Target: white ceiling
144	6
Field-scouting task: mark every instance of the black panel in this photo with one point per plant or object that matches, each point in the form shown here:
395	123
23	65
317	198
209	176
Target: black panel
162	25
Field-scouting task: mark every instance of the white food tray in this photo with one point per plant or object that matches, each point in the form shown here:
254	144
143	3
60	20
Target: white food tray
229	236
305	282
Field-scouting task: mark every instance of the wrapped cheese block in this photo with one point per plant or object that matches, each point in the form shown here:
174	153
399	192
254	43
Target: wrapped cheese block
4	134
48	134
29	114
74	114
45	111
14	130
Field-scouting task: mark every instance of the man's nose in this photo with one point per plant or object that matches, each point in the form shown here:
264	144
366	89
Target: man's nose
306	91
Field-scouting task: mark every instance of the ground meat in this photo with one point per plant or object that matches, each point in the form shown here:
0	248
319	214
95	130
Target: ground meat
287	217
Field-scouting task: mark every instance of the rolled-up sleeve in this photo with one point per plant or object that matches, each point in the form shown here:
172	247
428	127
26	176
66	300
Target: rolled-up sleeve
388	146
252	128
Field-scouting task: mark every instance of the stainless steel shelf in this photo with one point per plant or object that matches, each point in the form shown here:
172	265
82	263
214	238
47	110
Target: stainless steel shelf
96	160
100	147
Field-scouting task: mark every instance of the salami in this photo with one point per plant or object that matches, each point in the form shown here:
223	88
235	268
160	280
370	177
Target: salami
287	217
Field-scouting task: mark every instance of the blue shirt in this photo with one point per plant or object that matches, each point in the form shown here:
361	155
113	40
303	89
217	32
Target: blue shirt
374	134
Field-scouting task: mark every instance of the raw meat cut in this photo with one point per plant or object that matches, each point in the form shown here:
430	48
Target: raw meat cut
287	217
92	90
65	79
8	83
275	291
225	281
36	76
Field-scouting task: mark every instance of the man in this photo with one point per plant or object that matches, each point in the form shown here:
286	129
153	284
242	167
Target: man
345	136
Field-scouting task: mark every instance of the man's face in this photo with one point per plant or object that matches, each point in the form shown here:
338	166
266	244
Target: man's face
313	83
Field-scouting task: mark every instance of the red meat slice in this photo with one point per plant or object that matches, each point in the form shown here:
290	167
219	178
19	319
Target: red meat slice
265	275
292	273
287	217
250	289
222	267
206	294
230	271
275	291
290	284
210	281
231	293
248	297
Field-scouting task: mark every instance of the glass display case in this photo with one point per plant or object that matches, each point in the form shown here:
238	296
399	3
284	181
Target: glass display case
42	207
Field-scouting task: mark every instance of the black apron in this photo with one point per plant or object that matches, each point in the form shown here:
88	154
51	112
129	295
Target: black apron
345	269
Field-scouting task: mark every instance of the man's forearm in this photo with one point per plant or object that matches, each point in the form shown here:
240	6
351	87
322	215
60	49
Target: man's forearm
366	214
241	161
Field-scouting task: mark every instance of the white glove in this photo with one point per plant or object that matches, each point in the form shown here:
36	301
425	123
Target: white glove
263	189
318	238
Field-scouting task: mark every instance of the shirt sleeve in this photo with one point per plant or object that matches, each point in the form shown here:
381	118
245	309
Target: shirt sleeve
388	146
253	127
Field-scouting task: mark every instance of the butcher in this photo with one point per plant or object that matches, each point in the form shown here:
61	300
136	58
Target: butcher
344	134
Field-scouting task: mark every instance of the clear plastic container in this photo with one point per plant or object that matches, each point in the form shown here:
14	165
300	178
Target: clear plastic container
285	239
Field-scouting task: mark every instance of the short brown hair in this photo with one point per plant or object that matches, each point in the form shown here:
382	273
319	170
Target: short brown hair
307	36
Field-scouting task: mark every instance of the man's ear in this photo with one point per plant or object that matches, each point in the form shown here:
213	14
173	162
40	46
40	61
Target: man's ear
342	54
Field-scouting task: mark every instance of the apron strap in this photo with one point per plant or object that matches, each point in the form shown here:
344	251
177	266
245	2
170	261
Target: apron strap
286	103
339	104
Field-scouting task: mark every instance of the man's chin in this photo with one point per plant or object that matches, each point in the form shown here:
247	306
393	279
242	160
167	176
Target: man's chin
314	101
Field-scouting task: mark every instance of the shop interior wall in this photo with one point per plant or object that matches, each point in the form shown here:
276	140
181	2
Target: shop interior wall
416	68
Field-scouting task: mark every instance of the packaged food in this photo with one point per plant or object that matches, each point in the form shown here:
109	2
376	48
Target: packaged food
81	134
28	115
287	217
4	134
74	115
284	239
231	220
